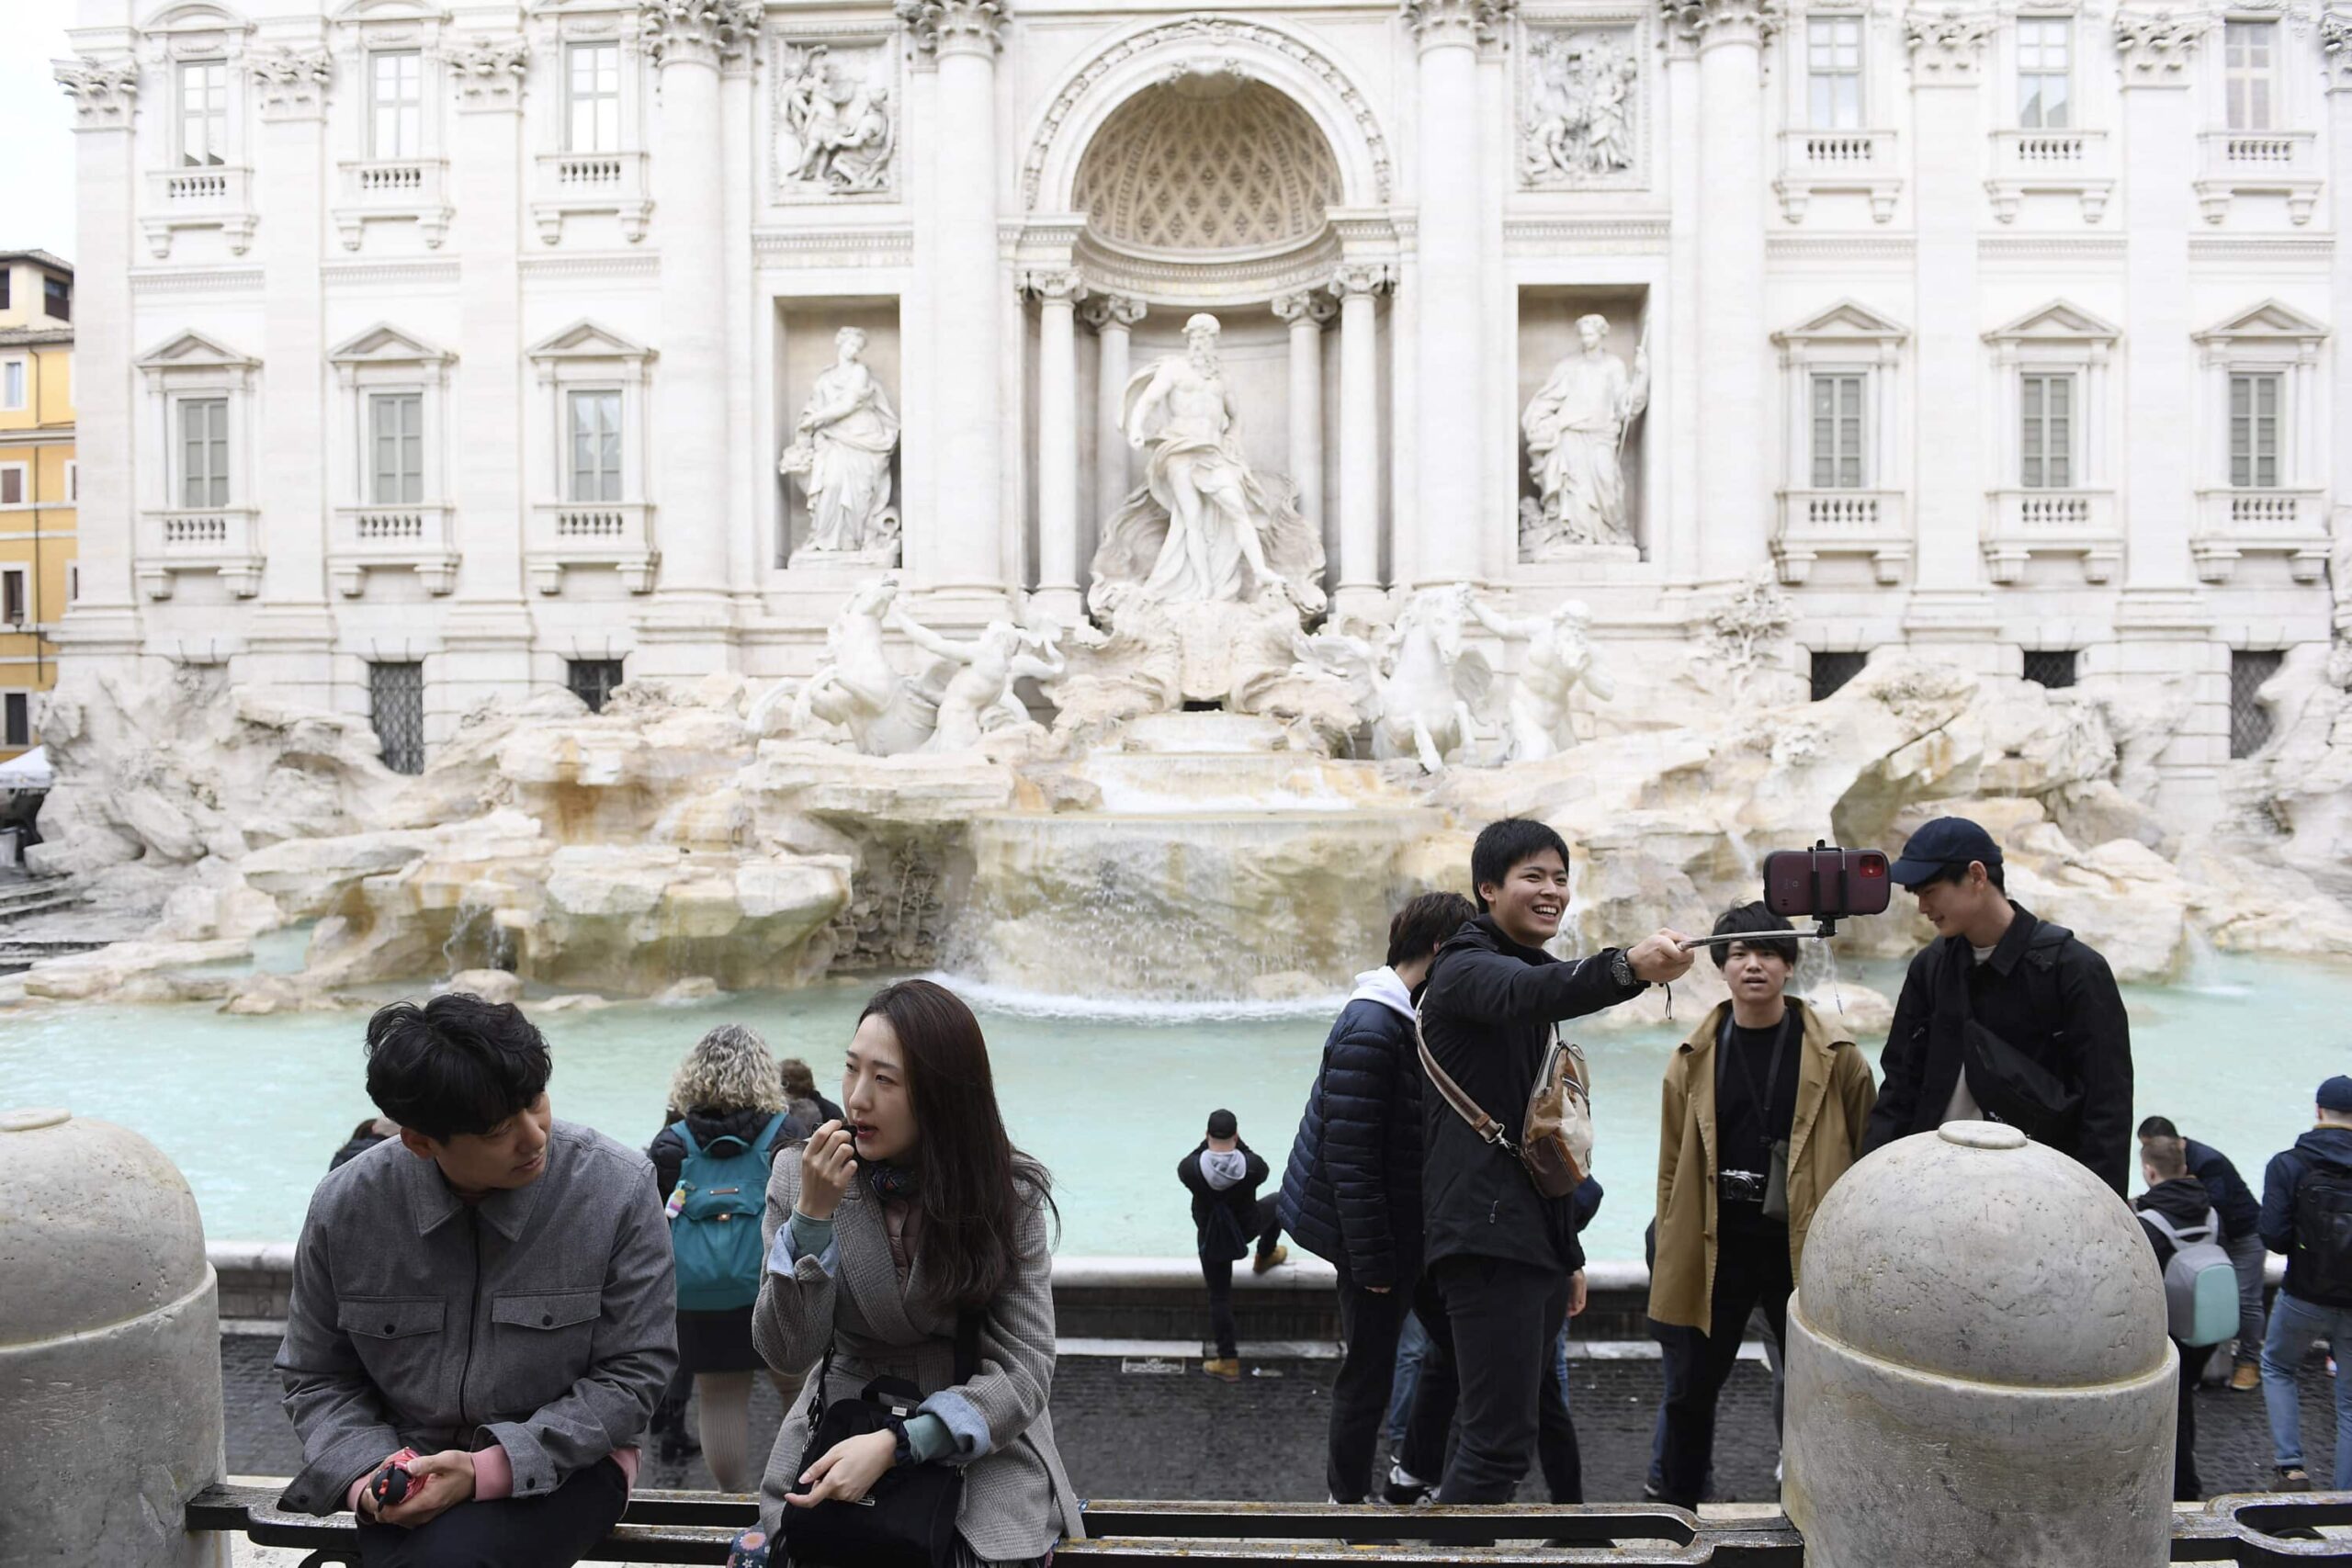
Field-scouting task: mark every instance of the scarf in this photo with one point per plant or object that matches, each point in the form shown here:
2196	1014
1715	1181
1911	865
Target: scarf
886	1181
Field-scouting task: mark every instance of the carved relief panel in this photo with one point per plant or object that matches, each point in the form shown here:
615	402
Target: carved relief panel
837	117
1583	111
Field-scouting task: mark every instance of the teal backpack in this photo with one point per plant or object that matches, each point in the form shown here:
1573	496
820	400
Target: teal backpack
715	1219
2200	1283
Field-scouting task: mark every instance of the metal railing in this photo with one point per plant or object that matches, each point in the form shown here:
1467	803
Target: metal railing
2258	1532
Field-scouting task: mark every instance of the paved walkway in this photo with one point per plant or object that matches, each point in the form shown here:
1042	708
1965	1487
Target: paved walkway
1127	1429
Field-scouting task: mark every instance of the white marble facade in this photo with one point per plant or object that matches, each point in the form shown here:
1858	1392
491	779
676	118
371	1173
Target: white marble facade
472	337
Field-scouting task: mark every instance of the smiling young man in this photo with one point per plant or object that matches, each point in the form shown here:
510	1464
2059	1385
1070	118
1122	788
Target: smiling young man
1764	1109
1506	1258
488	1298
2003	1016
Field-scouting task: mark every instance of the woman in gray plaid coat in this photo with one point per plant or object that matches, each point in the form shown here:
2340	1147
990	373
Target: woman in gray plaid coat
914	1211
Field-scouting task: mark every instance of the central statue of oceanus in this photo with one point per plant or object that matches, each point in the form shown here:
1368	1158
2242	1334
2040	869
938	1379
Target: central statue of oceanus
1203	527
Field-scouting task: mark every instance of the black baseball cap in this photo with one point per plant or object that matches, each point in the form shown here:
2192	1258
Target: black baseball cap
1940	844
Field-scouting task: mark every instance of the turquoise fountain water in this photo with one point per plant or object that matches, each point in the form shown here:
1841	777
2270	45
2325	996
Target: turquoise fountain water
252	1107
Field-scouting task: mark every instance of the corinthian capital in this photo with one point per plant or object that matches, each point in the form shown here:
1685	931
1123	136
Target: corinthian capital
1705	22
1361	279
954	27
1947	44
1115	311
103	90
2336	48
1055	285
709	31
1468	23
2158	47
1305	305
290	84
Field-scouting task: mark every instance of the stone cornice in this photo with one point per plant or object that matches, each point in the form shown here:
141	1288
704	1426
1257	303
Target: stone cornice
104	91
2158	47
290	84
1709	22
1460	23
954	27
489	71
1947	45
2336	48
197	280
710	32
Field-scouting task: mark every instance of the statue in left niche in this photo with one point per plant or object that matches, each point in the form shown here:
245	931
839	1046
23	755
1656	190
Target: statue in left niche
840	457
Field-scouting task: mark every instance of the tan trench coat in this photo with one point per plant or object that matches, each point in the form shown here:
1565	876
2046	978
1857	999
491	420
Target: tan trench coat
1835	1093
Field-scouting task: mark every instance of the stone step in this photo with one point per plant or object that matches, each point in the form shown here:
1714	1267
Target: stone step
16	956
23	905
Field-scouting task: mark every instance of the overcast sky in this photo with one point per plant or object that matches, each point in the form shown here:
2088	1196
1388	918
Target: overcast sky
36	130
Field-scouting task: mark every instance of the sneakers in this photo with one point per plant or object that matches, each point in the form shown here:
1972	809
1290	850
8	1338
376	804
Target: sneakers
2247	1378
2291	1478
1225	1368
1405	1490
1274	1260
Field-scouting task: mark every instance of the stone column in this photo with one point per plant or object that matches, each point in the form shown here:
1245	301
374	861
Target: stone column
1112	317
690	629
1951	611
1676	544
1735	492
958	553
1306	311
488	631
2163	625
1057	294
1449	435
1360	589
2335	40
291	641
102	626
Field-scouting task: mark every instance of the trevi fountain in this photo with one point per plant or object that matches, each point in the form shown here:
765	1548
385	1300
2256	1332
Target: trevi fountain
766	584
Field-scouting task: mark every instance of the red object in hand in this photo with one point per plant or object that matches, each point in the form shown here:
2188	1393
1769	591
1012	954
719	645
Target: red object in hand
389	1485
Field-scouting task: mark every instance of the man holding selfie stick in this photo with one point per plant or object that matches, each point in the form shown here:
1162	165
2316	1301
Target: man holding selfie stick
2004	1017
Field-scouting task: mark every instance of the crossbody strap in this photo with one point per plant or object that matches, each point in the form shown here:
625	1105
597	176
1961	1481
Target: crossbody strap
1469	1109
968	1363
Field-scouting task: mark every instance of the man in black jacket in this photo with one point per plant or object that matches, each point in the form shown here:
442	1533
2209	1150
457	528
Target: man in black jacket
1352	1191
2183	1211
2241	1214
1223	1174
2031	1011
1506	1258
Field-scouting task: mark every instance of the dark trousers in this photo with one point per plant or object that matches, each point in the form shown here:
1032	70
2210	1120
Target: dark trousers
1370	1322
1505	1321
1751	1271
2185	1487
553	1531
1430	1420
1216	1272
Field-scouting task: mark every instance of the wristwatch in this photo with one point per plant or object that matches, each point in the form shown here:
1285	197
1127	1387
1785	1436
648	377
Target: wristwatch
1620	969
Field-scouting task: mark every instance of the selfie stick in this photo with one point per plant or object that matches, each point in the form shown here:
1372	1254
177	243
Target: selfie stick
1820	932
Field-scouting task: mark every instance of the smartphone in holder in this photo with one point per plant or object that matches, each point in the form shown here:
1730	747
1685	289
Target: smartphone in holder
1827	883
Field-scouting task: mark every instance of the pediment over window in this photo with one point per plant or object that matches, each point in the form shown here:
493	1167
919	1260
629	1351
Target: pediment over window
2058	322
194	351
386	344
1847	321
196	19
585	340
390	11
2269	321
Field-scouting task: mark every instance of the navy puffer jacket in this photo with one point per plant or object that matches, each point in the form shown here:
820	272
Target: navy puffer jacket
1352	1191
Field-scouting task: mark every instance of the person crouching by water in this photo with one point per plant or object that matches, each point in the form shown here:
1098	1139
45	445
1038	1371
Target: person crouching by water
888	1233
712	1166
1766	1105
1223	1174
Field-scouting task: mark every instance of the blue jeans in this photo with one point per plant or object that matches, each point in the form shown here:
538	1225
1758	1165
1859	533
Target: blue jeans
1412	1348
2248	1255
2294	1326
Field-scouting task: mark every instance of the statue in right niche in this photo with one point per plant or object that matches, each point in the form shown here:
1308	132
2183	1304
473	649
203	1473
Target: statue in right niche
1576	443
841	456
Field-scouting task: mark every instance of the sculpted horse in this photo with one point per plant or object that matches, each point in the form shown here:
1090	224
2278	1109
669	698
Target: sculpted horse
1420	688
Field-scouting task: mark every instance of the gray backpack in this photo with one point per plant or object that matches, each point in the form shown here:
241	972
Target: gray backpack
2200	1284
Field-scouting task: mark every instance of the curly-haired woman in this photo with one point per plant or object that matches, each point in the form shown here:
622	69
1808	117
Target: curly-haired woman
728	1118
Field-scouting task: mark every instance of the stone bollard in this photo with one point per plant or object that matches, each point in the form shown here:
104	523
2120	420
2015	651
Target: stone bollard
1977	1367
110	1349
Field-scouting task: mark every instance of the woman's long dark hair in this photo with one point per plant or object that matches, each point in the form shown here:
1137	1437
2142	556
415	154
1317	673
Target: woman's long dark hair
972	1185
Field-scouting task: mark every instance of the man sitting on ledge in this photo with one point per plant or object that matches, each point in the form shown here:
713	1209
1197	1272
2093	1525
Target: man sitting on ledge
488	1299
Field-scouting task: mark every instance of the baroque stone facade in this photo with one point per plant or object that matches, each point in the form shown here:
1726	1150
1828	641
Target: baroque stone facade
445	355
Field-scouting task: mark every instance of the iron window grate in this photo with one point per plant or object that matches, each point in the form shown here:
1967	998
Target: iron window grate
1831	670
2053	668
2249	720
396	703
592	680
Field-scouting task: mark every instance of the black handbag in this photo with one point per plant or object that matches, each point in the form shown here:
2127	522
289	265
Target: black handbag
908	1519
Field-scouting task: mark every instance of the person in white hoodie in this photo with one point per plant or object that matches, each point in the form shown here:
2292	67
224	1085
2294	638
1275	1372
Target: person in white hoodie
1223	1174
1352	1194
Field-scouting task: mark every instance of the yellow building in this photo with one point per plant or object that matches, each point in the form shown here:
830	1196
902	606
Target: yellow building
39	481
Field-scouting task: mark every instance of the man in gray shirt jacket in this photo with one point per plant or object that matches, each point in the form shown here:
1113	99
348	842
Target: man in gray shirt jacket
488	1299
